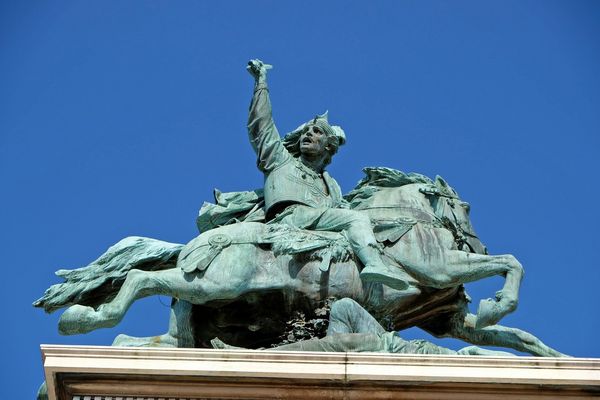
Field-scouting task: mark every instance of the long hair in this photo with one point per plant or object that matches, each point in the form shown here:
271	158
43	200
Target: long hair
291	142
335	137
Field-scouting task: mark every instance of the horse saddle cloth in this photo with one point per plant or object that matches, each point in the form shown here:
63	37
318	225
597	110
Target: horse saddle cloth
283	239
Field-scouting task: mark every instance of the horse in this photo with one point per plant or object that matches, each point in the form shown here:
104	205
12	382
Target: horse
228	281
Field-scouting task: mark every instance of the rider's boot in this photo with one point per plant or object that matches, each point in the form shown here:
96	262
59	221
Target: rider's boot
376	270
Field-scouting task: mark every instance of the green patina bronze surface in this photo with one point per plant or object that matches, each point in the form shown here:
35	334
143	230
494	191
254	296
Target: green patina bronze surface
397	249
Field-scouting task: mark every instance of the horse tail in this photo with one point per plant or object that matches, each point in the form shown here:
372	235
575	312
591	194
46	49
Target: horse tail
101	280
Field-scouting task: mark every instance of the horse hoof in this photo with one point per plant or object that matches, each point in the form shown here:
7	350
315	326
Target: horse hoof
488	313
76	319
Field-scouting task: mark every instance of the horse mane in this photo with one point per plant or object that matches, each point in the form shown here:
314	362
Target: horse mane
383	177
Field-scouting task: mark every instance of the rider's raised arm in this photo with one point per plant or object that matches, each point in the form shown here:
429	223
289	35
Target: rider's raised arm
263	134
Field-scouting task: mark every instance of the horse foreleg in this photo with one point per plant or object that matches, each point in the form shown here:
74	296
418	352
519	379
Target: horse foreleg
460	267
501	336
82	319
491	311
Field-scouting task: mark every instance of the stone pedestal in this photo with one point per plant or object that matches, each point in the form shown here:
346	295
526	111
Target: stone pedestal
109	373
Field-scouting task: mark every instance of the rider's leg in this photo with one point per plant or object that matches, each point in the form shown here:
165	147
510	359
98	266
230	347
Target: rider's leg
357	227
347	316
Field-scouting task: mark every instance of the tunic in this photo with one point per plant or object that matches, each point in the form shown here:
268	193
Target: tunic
287	179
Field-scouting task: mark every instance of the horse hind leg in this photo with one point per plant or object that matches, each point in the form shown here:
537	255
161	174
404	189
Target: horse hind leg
223	283
79	319
180	334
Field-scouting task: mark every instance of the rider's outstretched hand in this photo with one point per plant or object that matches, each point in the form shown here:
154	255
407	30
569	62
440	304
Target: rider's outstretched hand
258	69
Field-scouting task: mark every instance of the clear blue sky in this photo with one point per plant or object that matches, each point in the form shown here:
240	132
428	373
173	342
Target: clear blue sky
119	118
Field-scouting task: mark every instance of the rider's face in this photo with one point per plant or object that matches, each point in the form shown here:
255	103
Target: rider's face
313	141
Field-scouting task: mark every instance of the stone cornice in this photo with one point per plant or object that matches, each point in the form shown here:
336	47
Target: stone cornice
195	373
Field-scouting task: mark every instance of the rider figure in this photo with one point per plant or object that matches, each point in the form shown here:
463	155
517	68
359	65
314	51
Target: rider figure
299	192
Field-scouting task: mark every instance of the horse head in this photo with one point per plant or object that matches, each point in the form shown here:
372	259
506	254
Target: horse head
386	191
454	214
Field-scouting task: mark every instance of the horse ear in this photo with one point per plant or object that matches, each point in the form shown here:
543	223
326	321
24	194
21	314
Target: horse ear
443	185
440	182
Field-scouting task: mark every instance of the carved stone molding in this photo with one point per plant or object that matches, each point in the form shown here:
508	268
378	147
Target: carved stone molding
74	372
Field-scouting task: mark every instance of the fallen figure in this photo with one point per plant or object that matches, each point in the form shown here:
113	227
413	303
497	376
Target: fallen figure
353	329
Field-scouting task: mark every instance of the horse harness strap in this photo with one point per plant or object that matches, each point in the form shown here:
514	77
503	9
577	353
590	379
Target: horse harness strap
392	230
417	215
